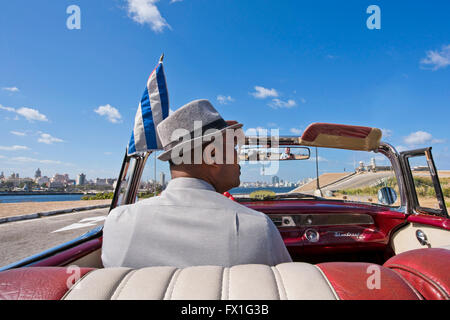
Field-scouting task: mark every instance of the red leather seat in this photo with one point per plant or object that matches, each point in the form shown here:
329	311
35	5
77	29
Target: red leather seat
38	283
427	270
416	274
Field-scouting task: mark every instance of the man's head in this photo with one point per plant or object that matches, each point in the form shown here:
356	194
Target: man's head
198	143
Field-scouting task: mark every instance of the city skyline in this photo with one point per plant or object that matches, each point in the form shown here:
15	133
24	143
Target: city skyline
68	97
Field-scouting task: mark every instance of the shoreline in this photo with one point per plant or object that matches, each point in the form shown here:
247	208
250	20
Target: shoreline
33	193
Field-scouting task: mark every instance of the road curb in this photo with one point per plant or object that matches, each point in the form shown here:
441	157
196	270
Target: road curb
50	213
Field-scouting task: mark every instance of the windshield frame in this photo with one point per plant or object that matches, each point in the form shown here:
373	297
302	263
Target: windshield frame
385	149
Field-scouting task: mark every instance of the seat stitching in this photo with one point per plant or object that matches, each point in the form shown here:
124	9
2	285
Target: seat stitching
221	284
76	283
328	282
122	284
174	276
416	292
419	274
229	282
277	272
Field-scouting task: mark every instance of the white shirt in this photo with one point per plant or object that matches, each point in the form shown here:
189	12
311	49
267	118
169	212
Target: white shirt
190	224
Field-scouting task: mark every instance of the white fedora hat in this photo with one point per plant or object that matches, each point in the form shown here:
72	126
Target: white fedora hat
187	118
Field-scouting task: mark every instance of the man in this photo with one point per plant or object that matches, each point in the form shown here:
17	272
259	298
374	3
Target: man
287	155
192	222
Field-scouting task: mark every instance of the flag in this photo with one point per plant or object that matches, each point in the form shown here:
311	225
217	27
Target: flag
153	108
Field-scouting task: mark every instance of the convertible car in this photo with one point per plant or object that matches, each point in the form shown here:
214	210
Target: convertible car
347	241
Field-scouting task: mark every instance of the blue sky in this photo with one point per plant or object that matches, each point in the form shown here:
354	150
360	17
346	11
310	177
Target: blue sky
269	64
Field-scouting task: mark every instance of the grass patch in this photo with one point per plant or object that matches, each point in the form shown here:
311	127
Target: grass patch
109	195
99	196
262	194
424	188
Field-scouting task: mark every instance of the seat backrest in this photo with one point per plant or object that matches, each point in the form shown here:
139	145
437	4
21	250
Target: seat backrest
416	274
287	281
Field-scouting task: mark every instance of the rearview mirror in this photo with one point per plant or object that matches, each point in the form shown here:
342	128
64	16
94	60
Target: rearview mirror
274	154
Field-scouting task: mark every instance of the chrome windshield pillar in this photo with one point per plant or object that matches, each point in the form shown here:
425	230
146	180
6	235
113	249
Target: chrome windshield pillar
394	157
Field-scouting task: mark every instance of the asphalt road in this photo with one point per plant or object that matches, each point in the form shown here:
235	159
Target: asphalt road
22	239
360	180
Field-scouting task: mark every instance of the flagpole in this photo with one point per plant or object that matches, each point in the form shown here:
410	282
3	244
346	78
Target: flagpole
155	174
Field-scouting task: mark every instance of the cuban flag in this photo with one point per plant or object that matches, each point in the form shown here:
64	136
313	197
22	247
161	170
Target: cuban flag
153	108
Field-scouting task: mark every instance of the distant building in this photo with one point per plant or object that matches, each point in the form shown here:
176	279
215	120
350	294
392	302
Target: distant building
100	182
14	176
57	184
14	179
81	179
43	180
372	167
373	164
162	179
275	180
37	174
104	182
60	178
421	168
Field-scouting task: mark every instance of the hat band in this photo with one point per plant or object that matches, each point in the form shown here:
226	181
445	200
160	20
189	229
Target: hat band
218	124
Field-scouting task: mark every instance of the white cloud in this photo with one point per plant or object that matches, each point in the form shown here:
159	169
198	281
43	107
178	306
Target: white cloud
421	137
31	114
257	131
386	132
48	139
11	89
320	159
296	131
27	159
13	148
262	93
146	12
277	103
28	113
437	59
111	113
18	133
7	108
224	99
401	148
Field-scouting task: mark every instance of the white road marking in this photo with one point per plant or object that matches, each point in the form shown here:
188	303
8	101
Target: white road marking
94	219
84	223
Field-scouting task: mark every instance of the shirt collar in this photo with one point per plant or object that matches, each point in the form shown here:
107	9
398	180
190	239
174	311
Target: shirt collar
189	183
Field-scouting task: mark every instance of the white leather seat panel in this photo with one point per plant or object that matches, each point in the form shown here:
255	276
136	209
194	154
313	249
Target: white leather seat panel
97	285
303	281
146	283
244	282
252	282
198	283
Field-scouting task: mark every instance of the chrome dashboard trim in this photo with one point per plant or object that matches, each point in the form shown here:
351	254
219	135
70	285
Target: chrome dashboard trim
322	219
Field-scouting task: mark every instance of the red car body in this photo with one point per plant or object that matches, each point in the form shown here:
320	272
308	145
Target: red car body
314	230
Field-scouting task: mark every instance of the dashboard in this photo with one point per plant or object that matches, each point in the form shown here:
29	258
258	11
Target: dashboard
323	227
